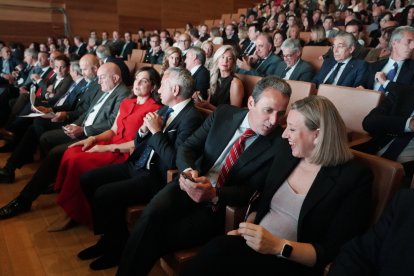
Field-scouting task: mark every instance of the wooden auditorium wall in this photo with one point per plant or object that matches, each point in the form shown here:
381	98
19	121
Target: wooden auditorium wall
33	20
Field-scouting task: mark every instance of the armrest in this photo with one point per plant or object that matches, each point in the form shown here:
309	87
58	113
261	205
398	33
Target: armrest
234	215
171	174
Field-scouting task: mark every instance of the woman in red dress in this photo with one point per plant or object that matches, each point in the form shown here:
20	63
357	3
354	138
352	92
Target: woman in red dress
109	147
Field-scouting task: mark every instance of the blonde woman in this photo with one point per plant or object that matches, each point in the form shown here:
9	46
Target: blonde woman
225	87
172	58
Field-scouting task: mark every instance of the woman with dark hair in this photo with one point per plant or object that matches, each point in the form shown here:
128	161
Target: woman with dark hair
382	50
278	38
109	147
315	198
407	16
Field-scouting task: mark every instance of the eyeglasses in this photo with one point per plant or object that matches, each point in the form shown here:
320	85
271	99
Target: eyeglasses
288	55
182	41
339	46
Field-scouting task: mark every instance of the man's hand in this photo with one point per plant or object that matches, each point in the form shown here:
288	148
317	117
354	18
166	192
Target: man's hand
153	122
23	90
44	109
200	191
73	131
380	77
35	77
246	63
60	117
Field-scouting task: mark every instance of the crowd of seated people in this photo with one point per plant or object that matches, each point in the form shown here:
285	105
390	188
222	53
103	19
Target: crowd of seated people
117	149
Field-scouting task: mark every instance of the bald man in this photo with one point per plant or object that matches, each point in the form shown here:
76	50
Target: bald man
98	117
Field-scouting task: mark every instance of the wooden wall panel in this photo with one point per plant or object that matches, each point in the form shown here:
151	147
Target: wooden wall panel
107	15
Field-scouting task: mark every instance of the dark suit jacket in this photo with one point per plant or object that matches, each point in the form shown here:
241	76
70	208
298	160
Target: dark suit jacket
126	76
303	71
44	82
116	46
154	59
353	74
91	94
339	195
201	79
386	248
12	64
387	121
128	49
165	144
72	99
81	50
107	114
60	90
405	77
266	68
201	150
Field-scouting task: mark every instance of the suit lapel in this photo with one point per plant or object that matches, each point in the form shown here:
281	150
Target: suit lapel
322	184
179	116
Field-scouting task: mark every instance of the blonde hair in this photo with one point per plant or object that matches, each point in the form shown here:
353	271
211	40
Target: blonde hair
167	54
215	71
319	31
331	147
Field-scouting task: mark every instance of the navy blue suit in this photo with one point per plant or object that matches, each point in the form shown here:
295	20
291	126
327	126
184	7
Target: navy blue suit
353	74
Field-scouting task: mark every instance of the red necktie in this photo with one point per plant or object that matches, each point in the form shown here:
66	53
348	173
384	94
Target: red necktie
235	152
39	89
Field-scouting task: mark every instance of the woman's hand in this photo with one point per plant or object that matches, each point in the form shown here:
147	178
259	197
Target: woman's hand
86	143
258	238
100	148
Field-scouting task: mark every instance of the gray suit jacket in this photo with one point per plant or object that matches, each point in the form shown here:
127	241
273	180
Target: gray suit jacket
266	68
107	114
302	72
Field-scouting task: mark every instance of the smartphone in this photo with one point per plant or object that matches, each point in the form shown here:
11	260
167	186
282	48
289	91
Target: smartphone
188	177
65	128
199	96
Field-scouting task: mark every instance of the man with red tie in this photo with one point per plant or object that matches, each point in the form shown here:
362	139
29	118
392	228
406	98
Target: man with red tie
222	163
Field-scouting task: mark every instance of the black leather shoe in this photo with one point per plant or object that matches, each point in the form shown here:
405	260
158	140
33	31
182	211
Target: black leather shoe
105	262
93	251
13	208
6	176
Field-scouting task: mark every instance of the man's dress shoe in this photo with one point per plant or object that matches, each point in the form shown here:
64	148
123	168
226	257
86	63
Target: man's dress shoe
93	251
105	262
6	135
6	176
13	208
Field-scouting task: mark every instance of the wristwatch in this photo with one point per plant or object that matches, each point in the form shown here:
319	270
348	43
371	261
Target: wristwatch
286	251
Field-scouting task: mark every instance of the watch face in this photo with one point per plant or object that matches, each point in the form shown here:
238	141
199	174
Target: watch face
287	250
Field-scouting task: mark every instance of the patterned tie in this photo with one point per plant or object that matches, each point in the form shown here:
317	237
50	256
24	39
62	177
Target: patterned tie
332	77
63	98
143	159
235	152
284	72
390	76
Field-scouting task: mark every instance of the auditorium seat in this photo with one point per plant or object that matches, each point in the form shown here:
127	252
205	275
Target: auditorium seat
138	55
312	54
353	105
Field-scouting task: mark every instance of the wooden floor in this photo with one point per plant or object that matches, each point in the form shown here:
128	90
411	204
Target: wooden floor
26	248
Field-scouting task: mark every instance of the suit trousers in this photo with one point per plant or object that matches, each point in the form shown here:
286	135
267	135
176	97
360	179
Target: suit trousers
111	189
171	221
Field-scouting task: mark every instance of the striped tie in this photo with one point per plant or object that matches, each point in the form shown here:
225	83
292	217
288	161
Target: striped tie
235	152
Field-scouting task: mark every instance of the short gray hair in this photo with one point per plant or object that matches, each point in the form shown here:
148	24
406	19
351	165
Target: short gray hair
74	66
31	52
349	38
199	53
293	44
181	77
397	34
271	82
103	52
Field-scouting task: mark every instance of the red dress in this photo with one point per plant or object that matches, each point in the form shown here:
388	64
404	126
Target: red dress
75	162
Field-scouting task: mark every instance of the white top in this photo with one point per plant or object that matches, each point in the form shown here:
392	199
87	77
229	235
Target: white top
282	218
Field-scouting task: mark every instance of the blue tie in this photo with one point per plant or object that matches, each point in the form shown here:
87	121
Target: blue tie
59	103
143	159
390	76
